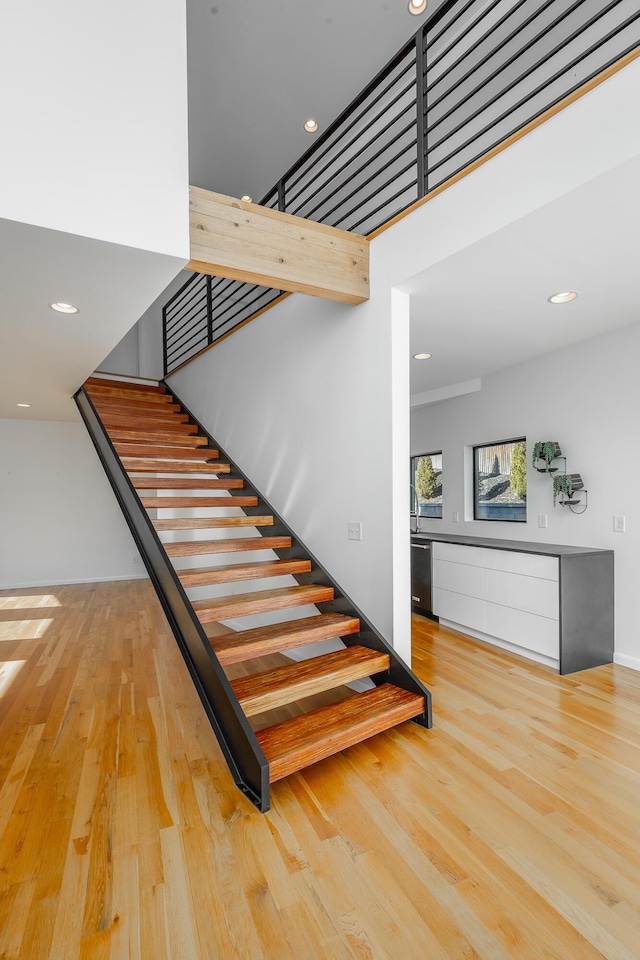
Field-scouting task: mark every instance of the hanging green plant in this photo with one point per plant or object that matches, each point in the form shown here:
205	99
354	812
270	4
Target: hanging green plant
547	451
565	485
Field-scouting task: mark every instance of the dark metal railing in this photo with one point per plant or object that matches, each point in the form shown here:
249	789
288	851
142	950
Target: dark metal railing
237	740
473	75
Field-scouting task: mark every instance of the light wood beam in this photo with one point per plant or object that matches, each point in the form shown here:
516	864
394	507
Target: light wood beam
244	241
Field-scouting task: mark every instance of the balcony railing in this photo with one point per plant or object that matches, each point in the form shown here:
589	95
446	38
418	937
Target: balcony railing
475	73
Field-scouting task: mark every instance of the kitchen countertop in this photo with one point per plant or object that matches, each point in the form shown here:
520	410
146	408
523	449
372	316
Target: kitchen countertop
519	546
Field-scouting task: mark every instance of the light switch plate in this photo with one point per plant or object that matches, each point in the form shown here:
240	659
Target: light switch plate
355	530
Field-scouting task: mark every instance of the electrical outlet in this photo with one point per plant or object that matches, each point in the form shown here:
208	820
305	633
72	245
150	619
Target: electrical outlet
455	516
355	530
542	521
619	524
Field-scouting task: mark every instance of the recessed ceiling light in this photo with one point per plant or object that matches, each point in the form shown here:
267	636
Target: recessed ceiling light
61	307
247	198
417	6
23	404
422	356
311	125
563	297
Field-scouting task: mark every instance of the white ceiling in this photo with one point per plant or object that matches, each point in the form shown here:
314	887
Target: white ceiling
487	307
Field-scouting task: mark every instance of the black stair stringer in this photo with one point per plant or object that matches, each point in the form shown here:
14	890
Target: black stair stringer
242	752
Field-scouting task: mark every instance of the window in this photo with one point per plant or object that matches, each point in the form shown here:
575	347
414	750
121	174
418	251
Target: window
426	485
500	480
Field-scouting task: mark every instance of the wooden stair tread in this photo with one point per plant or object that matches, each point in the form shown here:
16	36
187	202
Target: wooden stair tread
129	385
151	451
170	421
260	641
124	393
131	398
209	523
141	408
274	688
192	548
139	465
187	483
231	572
146	437
301	741
158	503
260	601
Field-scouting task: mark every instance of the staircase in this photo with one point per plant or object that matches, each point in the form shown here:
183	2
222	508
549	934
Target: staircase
164	469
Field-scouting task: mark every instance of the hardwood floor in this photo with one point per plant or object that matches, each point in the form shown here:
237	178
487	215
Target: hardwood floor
509	830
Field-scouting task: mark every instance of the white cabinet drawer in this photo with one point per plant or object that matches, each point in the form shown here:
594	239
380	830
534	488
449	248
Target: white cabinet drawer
467	611
527	564
530	594
523	629
459	578
458	553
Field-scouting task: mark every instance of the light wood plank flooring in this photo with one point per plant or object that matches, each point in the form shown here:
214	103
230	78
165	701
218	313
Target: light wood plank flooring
510	830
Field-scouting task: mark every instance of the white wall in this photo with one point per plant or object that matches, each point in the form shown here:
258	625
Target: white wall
586	397
59	519
93	100
301	399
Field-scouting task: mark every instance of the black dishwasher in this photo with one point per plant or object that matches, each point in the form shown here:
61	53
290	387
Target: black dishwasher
421	578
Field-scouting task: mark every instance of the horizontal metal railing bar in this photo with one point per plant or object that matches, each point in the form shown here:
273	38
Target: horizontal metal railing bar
331	146
191	352
385	203
354	140
368	162
433	103
562	96
194	330
190	321
244	756
389	216
529	71
190	313
542	34
541	86
234	301
197	291
276	293
192	279
460	12
362	186
473	24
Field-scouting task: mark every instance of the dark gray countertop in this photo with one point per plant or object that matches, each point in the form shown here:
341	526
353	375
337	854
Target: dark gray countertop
519	546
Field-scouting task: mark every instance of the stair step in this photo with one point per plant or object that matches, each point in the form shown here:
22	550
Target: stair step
231	572
261	641
209	523
141	408
105	382
187	483
313	736
149	451
134	465
171	421
261	601
131	398
193	548
157	395
156	436
275	688
158	503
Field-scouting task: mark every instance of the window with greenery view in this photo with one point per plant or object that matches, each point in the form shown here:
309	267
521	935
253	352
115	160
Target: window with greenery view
500	480
426	485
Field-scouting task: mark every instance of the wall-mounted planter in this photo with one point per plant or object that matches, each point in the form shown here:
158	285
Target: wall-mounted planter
564	487
544	453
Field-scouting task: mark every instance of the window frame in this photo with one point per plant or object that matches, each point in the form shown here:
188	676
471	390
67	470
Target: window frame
413	511
476	485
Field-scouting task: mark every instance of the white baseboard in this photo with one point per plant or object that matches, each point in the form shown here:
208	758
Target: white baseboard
63	583
625	661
